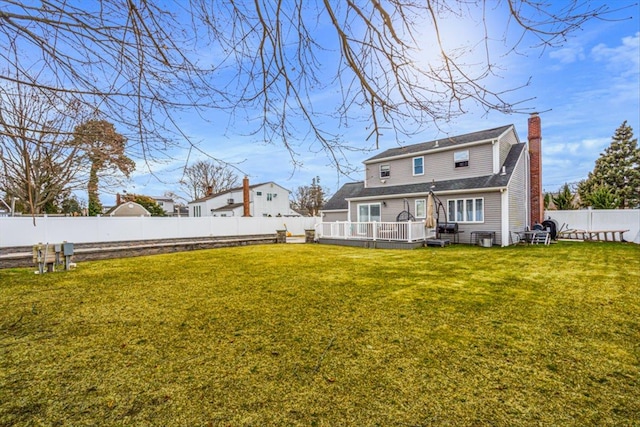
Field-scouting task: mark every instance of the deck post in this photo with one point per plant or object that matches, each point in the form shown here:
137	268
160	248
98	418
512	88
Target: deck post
409	231
374	230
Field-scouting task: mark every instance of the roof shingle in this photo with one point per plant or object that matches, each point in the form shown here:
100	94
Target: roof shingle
483	135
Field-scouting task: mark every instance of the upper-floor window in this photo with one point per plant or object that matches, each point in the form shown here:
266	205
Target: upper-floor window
259	193
269	197
418	165
461	158
466	210
421	208
385	171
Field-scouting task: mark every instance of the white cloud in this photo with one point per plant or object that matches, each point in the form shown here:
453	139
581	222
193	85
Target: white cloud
624	58
568	55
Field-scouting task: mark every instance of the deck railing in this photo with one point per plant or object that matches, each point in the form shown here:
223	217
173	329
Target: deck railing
408	231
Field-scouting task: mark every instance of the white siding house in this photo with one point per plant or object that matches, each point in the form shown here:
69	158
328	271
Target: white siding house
264	200
167	204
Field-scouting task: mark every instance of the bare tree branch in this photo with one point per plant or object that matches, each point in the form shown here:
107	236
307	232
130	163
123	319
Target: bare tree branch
292	73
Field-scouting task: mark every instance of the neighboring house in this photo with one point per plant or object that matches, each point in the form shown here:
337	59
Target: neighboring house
128	209
259	200
167	204
486	181
181	210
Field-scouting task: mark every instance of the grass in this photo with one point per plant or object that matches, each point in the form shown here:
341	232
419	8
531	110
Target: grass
319	335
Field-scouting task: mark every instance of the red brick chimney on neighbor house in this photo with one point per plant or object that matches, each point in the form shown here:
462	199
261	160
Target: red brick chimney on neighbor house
245	197
535	169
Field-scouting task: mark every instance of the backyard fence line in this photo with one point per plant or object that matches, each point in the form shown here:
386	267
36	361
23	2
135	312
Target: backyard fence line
600	220
21	231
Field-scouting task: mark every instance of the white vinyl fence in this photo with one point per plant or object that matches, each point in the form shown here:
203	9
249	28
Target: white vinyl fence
600	220
21	231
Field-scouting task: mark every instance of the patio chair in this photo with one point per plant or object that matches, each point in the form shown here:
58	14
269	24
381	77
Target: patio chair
541	237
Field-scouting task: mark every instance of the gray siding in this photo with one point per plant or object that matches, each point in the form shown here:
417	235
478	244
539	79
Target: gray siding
492	215
505	145
438	166
335	216
518	196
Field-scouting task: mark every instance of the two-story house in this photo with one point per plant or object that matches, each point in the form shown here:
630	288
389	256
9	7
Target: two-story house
258	200
166	203
486	181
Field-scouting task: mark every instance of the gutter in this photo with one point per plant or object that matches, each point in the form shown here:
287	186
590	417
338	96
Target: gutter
438	193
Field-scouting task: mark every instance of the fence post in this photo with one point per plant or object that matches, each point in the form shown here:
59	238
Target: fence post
409	227
309	236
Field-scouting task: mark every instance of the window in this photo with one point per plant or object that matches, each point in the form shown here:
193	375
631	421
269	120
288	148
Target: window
421	208
385	171
418	166
259	193
461	158
466	210
369	213
269	197
197	211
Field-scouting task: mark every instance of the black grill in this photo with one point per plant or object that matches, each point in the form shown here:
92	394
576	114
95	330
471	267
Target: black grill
448	227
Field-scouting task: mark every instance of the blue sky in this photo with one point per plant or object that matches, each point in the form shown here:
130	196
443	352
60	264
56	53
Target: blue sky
583	91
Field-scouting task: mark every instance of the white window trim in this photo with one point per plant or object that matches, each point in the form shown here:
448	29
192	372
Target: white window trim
413	166
415	205
369	204
388	171
459	157
464	203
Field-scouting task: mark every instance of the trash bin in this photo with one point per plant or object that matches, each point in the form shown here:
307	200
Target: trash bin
486	242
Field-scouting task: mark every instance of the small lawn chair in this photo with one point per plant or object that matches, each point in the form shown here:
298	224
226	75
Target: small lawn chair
541	237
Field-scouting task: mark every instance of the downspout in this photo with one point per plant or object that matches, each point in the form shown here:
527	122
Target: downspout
527	180
505	232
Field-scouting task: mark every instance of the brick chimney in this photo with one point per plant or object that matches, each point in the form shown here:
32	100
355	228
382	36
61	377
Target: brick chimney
245	197
209	191
118	200
535	169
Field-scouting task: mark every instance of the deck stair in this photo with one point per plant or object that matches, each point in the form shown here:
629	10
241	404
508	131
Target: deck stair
438	242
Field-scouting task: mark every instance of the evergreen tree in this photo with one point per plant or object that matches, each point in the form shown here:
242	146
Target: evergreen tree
603	197
564	200
618	169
